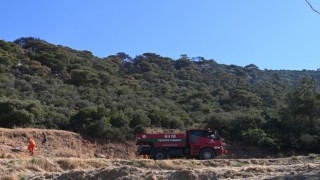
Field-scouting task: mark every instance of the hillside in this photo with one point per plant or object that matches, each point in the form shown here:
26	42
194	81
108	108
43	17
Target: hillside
43	85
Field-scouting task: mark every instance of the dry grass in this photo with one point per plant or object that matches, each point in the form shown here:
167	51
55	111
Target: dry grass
77	163
43	164
68	153
313	156
7	156
8	177
166	164
166	169
49	165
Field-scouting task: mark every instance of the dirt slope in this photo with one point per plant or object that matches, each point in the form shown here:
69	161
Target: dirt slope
13	144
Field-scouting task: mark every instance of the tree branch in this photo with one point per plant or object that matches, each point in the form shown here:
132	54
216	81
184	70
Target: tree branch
312	7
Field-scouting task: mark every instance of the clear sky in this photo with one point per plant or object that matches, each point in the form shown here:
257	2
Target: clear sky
272	34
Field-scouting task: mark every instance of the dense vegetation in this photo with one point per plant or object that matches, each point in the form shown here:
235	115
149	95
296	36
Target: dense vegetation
52	86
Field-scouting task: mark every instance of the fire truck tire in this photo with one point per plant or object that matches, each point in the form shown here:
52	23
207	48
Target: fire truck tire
207	153
159	155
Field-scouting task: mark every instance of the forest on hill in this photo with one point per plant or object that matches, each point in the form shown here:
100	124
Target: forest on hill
51	86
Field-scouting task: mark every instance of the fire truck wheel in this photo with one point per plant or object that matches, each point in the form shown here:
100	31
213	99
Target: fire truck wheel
207	153
159	155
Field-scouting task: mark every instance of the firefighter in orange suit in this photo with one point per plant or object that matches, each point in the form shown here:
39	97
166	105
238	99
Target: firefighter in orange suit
31	146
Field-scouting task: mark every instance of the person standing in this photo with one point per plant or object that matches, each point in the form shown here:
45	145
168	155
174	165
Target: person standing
31	146
44	140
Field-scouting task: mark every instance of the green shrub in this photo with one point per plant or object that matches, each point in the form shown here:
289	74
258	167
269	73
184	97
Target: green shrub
139	130
258	137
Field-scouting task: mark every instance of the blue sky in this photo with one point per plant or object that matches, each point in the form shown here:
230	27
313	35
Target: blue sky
272	34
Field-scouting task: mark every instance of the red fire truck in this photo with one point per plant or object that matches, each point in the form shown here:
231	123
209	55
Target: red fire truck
203	144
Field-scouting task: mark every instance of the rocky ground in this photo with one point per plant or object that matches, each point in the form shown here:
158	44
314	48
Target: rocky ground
67	155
